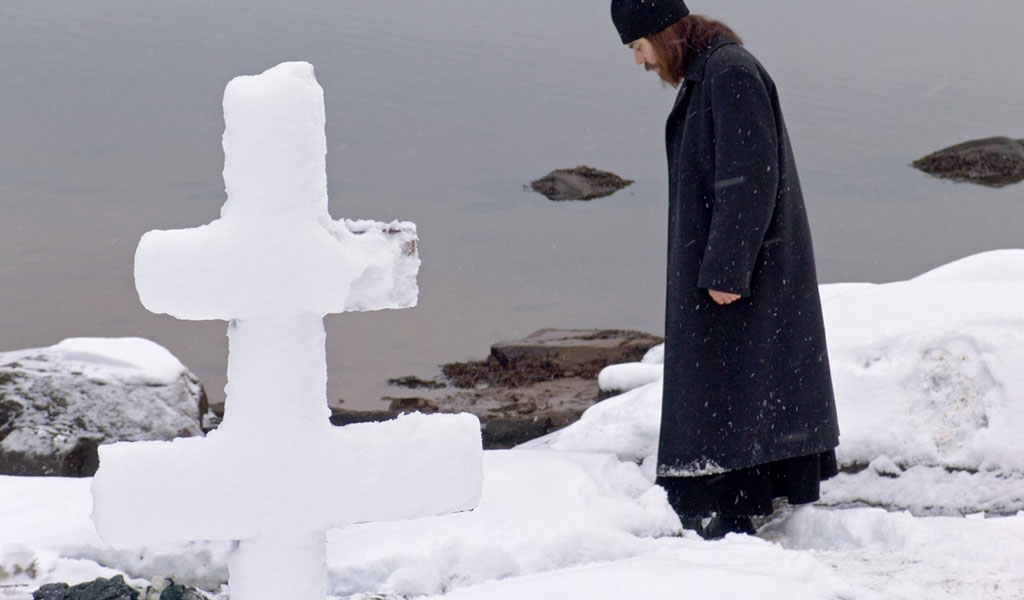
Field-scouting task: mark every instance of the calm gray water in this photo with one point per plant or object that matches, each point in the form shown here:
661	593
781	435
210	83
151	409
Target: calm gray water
438	113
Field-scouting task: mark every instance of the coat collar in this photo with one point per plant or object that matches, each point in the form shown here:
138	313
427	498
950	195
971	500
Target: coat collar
695	70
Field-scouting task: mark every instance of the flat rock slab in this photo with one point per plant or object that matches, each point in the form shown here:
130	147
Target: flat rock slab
574	352
994	162
524	389
580	183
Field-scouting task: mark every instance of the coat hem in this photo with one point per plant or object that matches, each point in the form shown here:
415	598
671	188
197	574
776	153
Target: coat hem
703	466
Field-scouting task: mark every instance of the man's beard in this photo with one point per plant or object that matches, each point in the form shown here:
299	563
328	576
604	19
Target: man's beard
657	71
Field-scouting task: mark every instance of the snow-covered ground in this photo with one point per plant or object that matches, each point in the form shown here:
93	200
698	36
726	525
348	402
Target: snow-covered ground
930	387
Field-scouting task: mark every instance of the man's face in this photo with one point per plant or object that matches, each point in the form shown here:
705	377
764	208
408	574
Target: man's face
643	54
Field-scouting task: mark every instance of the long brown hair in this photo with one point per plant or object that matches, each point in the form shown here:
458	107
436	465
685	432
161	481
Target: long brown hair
679	42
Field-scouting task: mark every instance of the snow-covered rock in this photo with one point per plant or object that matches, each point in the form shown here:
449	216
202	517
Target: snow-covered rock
57	404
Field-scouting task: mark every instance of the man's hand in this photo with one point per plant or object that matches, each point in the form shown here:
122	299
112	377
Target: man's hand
723	298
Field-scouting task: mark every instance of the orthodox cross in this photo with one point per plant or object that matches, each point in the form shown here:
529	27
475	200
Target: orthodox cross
276	474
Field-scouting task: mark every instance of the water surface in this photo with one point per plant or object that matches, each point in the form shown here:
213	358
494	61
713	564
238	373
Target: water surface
438	113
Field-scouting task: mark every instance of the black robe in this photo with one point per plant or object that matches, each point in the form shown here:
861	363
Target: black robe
746	383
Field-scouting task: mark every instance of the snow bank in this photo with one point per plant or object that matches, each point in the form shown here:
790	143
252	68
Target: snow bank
905	558
559	526
538	511
928	371
46	536
625	425
781	577
128	360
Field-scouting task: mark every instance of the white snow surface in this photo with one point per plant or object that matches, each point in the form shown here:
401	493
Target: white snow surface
129	360
556	525
575	515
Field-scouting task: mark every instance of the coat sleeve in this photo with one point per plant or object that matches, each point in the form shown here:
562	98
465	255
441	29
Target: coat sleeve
746	179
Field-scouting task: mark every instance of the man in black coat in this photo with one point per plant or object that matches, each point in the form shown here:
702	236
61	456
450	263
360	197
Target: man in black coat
748	412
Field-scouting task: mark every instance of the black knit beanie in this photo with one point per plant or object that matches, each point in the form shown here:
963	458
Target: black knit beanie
640	18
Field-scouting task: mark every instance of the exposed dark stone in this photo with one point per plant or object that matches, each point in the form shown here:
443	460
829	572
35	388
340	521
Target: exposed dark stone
506	432
9	413
341	416
176	591
114	588
404	405
580	183
83	457
995	162
208	419
50	591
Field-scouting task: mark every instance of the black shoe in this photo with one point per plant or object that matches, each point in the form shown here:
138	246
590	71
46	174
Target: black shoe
718	527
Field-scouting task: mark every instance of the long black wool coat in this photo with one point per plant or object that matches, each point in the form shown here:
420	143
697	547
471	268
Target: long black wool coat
746	383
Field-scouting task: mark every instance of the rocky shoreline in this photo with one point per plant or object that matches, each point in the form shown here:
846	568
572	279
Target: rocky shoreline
59	404
524	389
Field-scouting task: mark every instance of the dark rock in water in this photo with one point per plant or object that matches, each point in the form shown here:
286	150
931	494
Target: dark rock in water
526	388
581	183
995	162
99	589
